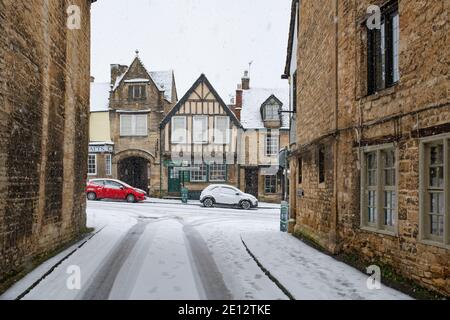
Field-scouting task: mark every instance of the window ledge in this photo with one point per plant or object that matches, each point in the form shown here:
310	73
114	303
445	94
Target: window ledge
381	231
434	243
140	136
380	94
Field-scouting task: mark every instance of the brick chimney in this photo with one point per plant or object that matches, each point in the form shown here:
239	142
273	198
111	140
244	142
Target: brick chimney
238	102
245	81
116	71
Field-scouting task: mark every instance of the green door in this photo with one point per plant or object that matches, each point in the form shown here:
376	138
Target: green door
174	180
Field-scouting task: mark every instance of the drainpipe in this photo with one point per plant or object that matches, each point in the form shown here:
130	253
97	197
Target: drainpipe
334	234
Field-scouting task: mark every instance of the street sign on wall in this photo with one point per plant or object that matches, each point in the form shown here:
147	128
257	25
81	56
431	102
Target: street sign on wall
104	148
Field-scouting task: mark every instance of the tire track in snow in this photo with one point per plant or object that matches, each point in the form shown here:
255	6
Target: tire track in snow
208	272
101	285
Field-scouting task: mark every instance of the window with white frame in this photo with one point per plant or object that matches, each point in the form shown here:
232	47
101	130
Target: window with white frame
92	164
221	129
379	188
200	129
271	112
133	125
435	190
199	174
270	184
179	130
271	144
108	164
218	172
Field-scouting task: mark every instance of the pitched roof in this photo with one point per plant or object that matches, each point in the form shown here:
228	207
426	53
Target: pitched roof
253	99
99	96
162	79
291	39
200	80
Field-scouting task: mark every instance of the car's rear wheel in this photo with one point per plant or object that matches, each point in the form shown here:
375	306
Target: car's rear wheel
92	196
246	205
131	198
208	203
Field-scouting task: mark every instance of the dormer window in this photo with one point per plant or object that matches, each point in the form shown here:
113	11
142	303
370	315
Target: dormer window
271	112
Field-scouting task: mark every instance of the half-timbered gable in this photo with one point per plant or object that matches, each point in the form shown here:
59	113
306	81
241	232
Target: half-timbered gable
201	134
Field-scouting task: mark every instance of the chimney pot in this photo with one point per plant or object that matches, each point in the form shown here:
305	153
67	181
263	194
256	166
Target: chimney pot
245	81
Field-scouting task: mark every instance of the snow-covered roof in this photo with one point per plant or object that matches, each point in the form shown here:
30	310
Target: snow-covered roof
164	79
136	80
252	100
119	80
99	96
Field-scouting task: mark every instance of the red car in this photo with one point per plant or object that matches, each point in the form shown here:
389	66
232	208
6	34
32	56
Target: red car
98	189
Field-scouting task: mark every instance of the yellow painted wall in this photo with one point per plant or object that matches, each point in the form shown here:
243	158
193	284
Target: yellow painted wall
99	129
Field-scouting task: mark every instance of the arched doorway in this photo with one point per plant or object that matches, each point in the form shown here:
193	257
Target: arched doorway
134	171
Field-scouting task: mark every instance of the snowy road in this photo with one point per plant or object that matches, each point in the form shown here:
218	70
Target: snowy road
166	250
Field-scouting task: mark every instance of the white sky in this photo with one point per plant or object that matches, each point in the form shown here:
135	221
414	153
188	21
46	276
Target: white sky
215	37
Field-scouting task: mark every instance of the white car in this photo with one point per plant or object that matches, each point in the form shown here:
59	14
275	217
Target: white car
227	195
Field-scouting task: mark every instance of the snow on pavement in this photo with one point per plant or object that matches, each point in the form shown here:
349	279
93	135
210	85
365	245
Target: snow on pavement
167	250
310	274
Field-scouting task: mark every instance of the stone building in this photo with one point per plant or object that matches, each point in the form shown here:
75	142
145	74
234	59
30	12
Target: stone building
44	99
290	73
373	129
266	132
200	142
125	118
